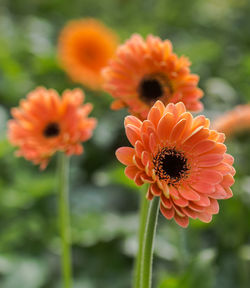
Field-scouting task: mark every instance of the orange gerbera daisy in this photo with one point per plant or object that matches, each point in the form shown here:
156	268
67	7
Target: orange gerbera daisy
145	71
84	48
233	121
45	123
181	158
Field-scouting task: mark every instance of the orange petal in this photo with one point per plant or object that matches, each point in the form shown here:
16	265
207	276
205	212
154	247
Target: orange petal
166	202
139	148
145	158
203	146
180	202
182	221
146	178
149	195
171	109
180	108
228	159
133	121
152	142
168	213
201	187
158	104
208	160
165	126
189	212
198	135
210	176
178	130
205	217
131	171
200	121
229	193
138	180
213	208
138	163
125	155
188	193
204	201
228	181
133	134
156	191
195	207
219	193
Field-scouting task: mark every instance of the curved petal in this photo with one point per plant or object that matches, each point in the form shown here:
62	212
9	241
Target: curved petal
165	126
188	193
125	155
168	213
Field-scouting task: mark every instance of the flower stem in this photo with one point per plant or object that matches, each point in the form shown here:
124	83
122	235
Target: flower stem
64	218
144	205
148	243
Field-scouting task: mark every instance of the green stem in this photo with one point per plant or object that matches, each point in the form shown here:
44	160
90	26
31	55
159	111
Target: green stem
64	218
148	243
144	205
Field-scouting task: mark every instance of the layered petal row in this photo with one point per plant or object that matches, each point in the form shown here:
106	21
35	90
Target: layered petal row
45	123
182	159
145	71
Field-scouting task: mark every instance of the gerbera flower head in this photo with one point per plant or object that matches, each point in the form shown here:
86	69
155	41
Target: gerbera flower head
145	71
184	162
44	123
233	121
84	48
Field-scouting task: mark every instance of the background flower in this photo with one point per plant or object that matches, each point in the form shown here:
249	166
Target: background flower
84	48
145	71
45	123
183	161
233	121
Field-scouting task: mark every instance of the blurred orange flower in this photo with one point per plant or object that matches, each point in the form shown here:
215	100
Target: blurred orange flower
84	48
45	123
145	71
233	121
181	158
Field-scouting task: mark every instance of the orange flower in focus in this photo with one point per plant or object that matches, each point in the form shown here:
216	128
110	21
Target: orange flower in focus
181	158
84	48
145	71
45	123
233	121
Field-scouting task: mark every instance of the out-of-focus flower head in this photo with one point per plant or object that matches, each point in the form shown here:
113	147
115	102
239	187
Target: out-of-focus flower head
184	162
145	71
233	121
44	123
84	48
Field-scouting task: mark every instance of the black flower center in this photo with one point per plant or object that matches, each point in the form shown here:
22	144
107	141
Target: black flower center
171	165
151	89
51	130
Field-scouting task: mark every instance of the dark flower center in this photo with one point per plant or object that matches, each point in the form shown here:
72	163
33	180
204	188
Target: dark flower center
51	130
171	165
150	89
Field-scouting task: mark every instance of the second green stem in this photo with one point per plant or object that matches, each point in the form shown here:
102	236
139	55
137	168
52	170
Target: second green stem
64	218
148	243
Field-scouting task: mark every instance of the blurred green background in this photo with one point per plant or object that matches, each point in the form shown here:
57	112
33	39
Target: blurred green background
215	36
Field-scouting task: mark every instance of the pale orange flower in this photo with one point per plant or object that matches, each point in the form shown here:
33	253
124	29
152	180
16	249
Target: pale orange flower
145	71
184	162
84	48
45	123
233	121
